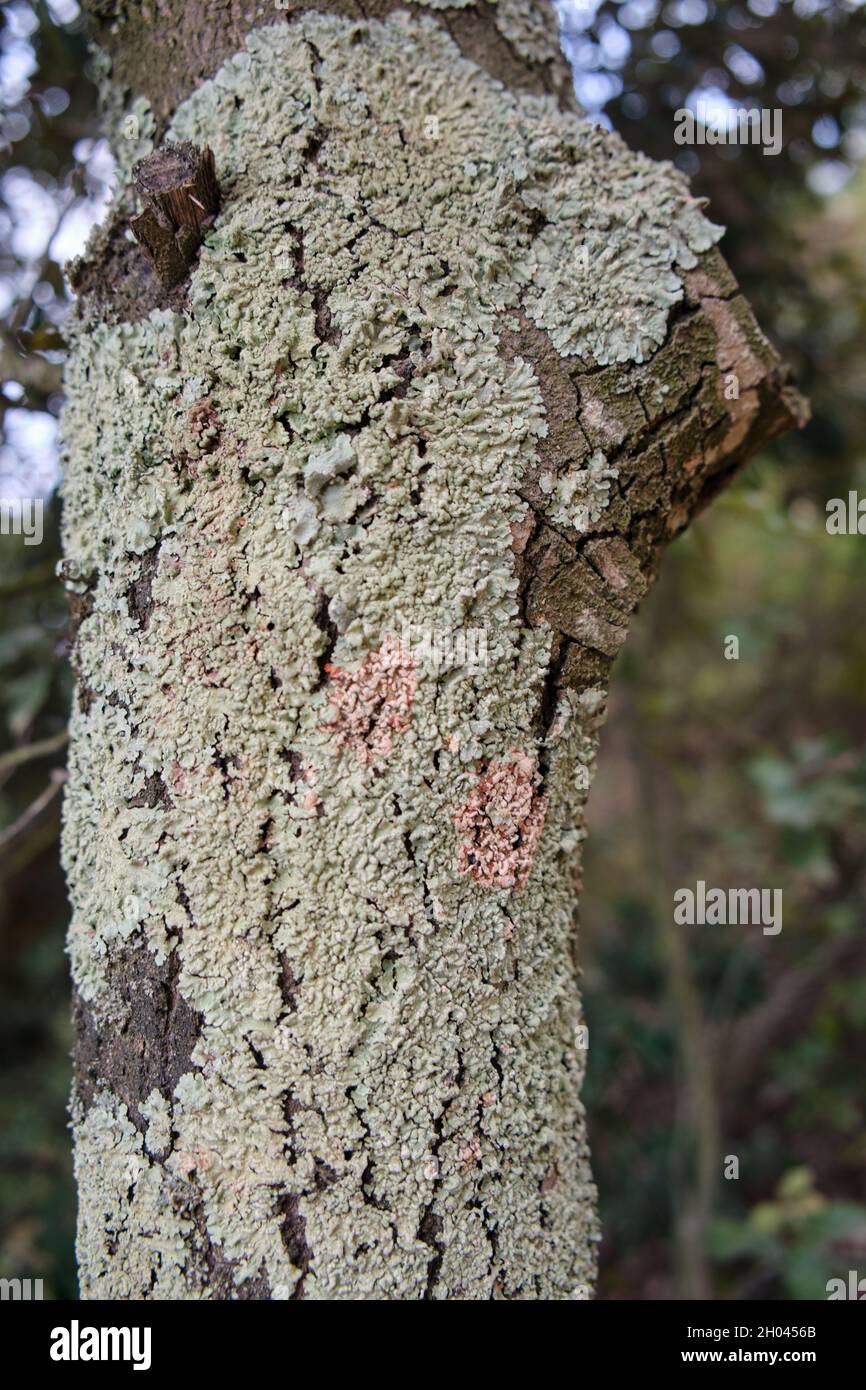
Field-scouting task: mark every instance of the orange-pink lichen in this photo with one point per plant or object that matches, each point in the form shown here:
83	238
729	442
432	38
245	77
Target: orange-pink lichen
469	1154
369	706
500	823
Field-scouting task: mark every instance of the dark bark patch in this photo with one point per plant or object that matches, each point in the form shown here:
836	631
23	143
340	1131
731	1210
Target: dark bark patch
289	985
325	332
323	1175
293	1229
566	592
404	367
79	607
430	1232
141	1039
116	283
563	445
139	595
155	794
326	625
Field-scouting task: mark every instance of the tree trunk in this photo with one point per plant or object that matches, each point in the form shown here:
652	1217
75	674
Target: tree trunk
355	518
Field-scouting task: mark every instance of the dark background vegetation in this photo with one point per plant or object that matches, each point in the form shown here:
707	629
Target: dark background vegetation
704	1041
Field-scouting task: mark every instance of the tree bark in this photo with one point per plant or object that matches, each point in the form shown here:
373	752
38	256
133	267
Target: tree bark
355	518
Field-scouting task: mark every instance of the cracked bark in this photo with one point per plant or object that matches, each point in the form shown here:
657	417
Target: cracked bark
673	438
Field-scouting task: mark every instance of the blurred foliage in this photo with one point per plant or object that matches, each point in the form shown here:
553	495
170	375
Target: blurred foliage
36	1199
743	773
794	1240
748	772
50	190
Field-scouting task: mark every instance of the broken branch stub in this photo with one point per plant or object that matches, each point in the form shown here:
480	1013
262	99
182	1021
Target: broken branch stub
179	188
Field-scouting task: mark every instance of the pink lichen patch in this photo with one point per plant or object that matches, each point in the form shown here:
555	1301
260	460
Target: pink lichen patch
469	1154
373	704
193	1160
500	823
204	424
311	799
550	1179
521	531
177	779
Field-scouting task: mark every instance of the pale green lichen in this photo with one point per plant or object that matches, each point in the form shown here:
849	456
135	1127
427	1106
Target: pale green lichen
126	1242
531	29
134	131
129	123
262	465
580	495
157	1112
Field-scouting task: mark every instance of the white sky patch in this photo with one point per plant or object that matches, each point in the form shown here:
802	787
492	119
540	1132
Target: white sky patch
713	107
665	44
576	15
825	133
28	457
34	213
638	14
594	90
681	12
829	176
54	100
75	228
64	11
615	44
17	65
743	65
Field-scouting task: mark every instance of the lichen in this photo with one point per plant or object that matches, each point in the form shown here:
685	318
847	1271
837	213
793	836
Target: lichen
326	446
157	1112
580	495
371	706
130	1233
499	824
134	130
529	28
